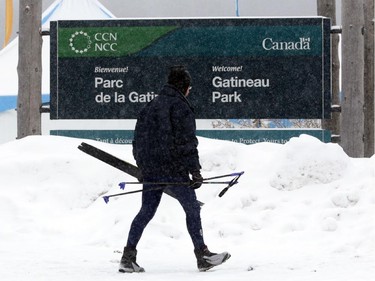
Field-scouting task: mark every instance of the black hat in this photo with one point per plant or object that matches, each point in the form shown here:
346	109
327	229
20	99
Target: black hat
179	77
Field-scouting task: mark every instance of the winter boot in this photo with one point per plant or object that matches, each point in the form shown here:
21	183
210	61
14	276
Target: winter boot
128	262
207	260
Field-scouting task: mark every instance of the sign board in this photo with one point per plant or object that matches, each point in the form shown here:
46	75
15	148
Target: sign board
242	68
239	136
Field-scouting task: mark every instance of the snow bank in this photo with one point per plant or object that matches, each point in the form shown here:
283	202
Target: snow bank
302	211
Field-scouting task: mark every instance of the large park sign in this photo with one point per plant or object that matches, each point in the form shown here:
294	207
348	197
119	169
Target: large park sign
241	67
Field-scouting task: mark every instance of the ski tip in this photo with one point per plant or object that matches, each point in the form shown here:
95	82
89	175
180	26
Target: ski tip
106	199
82	144
122	185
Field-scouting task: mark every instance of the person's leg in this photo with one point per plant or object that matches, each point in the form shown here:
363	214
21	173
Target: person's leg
188	200
205	259
150	202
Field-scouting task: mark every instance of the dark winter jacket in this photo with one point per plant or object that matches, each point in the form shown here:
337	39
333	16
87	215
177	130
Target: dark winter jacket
165	143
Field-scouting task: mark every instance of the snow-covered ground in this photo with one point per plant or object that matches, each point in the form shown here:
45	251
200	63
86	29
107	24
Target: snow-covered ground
302	211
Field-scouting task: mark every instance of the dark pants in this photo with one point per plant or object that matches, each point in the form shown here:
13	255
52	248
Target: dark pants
150	202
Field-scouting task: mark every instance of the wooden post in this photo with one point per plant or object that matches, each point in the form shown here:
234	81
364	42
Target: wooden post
369	79
352	116
29	69
327	8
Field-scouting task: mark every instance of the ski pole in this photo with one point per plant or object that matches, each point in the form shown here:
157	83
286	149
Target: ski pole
123	184
204	181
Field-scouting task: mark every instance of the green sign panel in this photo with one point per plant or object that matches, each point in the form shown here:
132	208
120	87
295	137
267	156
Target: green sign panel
239	136
242	68
204	41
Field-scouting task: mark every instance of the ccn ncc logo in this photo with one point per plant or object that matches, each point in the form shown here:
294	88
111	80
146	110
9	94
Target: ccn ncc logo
81	42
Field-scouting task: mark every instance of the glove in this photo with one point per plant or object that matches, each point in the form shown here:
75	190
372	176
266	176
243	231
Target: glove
197	180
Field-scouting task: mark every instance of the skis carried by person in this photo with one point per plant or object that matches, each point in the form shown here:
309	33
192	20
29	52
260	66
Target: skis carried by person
112	160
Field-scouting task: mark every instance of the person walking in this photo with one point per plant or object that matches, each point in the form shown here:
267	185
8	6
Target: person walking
165	149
